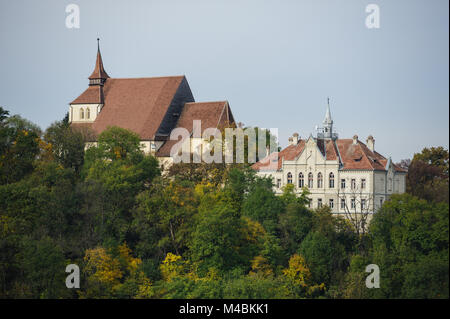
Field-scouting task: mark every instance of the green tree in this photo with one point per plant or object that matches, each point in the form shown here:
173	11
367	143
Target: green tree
163	219
408	233
294	225
19	147
428	175
318	253
123	171
262	205
43	264
67	145
217	239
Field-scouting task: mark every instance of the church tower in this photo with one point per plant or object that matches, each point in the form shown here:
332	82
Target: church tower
99	75
87	106
328	123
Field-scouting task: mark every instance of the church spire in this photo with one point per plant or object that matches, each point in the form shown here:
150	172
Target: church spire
328	119
328	123
99	76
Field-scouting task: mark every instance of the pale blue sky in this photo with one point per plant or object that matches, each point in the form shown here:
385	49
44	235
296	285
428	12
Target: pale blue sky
274	61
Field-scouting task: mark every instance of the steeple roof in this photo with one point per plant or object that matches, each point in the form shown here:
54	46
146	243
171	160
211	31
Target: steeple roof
99	71
328	119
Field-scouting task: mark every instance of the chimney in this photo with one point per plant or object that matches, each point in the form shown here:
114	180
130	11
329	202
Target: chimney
295	138
291	141
371	143
355	139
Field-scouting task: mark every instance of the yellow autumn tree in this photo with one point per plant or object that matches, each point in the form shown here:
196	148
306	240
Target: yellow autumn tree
172	266
298	277
261	267
103	266
114	273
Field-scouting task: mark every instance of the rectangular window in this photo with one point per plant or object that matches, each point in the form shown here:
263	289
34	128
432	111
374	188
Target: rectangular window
319	202
331	203
363	183
342	203
353	203
363	204
278	182
353	183
342	183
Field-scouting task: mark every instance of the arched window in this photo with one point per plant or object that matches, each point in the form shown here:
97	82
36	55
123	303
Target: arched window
319	180
289	178
88	113
81	113
331	180
301	180
310	180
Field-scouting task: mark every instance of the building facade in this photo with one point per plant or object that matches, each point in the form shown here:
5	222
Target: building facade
151	107
345	174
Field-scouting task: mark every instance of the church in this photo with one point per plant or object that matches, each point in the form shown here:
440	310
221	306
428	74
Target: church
349	176
151	107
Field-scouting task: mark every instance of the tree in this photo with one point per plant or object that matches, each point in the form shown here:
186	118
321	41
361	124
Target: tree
114	273
43	264
262	205
67	145
163	219
361	208
299	278
19	147
410	238
428	175
294	225
123	171
318	253
216	240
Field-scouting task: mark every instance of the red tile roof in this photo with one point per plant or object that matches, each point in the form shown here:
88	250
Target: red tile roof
287	154
352	156
138	104
211	114
92	95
